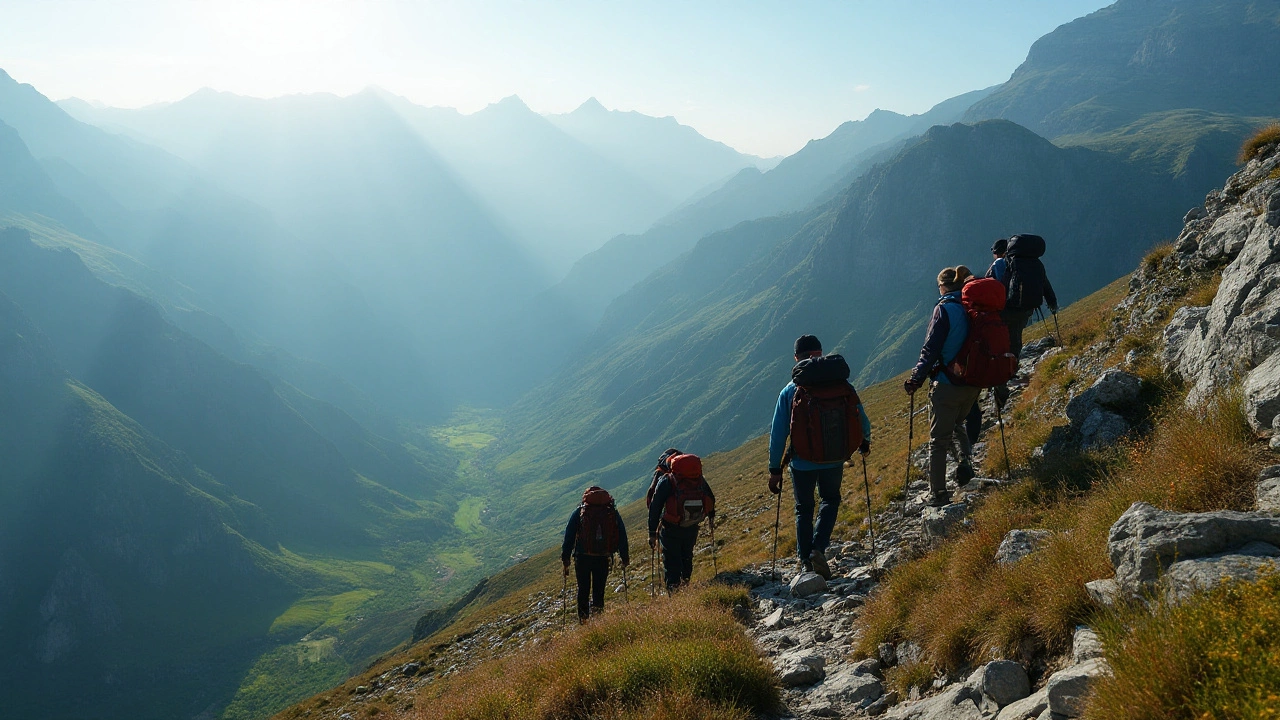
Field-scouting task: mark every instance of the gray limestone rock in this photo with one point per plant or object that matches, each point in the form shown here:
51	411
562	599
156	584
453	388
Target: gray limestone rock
1004	681
1268	490
1113	389
1145	540
1102	428
1085	645
940	522
1069	689
801	669
847	687
1028	707
959	702
775	620
1104	592
1019	544
1187	577
806	584
1262	393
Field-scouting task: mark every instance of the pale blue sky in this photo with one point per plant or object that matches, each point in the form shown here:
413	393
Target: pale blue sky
764	77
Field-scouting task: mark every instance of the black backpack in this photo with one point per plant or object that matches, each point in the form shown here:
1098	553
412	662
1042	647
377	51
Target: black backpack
663	468
1026	272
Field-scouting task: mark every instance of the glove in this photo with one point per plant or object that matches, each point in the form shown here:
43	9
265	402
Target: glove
775	483
653	541
865	448
711	521
626	562
911	386
1053	309
566	569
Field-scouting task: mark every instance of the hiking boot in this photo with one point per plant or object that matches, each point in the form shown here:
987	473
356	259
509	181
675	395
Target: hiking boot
937	501
818	561
804	566
964	473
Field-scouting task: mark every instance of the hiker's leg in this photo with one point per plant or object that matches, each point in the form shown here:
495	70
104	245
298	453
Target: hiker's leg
829	490
1016	321
582	569
671	555
966	401
803	483
939	441
599	578
973	423
686	553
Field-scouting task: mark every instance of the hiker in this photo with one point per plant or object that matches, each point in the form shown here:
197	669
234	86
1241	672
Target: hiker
818	383
681	500
595	531
999	270
1027	284
950	402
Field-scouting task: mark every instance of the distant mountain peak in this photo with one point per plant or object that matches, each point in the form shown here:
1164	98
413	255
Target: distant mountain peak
510	103
591	105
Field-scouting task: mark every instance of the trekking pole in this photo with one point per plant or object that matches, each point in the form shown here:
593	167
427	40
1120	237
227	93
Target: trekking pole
866	485
1057	329
1008	469
911	437
626	593
653	584
564	602
777	517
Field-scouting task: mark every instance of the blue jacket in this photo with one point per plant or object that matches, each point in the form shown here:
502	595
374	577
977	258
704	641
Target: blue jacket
782	429
570	545
660	496
1000	271
947	331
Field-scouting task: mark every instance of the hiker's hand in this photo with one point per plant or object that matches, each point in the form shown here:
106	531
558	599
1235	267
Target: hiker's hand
911	386
775	483
653	541
711	521
566	569
865	448
625	562
1053	309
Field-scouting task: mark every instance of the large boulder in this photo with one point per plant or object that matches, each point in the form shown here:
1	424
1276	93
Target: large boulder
1146	540
1114	389
1085	645
1102	428
1262	392
803	668
847	686
1018	544
1068	689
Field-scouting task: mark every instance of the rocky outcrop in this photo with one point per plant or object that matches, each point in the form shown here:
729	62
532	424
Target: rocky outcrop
1236	337
1267	492
1018	544
1189	551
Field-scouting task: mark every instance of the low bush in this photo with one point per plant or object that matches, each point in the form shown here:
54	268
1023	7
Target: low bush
1259	140
1217	656
682	658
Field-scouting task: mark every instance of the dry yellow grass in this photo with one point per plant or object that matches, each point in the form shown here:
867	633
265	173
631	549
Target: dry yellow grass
1259	140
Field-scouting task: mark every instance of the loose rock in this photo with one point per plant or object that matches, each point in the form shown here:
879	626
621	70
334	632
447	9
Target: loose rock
1019	544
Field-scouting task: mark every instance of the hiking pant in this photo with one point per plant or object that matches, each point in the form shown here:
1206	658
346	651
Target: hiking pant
951	405
677	554
1016	321
592	572
827	483
973	423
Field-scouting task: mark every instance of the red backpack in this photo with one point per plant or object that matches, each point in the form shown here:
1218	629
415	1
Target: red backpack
690	500
984	359
826	426
597	523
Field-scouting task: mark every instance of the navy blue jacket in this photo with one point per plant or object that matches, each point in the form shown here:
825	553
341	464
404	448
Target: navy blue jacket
1000	271
570	546
948	328
660	496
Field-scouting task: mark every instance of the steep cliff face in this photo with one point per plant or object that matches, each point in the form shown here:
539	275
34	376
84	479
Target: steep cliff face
1236	337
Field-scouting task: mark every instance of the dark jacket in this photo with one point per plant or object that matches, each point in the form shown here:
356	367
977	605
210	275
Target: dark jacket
570	546
1000	271
660	497
947	330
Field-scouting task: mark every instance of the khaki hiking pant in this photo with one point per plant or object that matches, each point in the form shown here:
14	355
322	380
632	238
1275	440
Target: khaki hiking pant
951	405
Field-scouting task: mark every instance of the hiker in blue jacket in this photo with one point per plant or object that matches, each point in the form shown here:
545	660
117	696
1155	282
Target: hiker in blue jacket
591	569
951	403
811	542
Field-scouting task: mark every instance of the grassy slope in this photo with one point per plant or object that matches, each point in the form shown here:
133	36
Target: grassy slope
746	511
